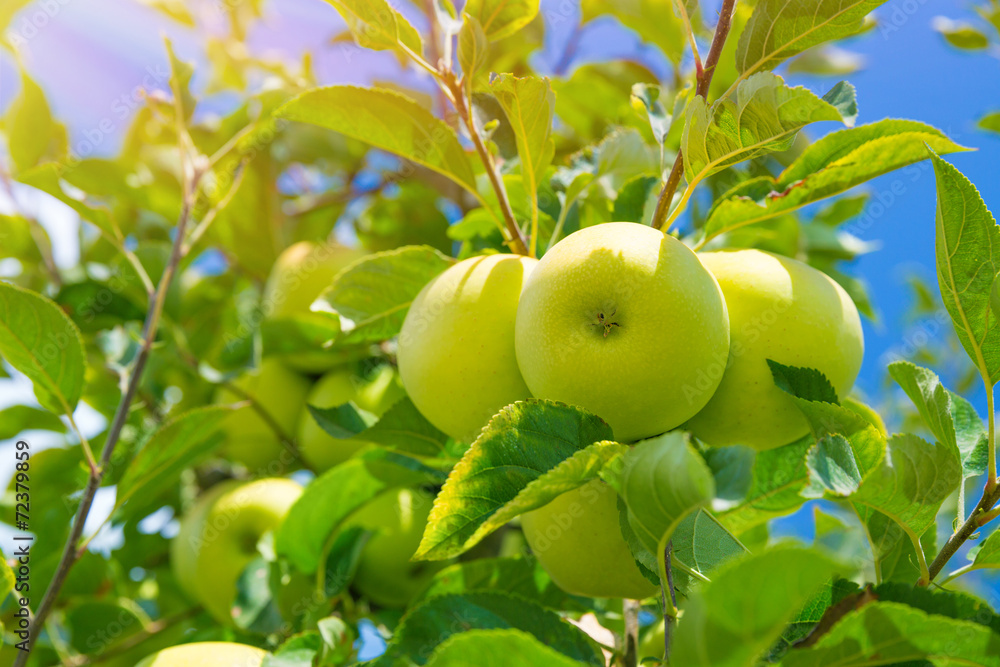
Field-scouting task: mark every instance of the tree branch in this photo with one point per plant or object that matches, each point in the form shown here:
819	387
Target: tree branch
669	620
149	328
704	80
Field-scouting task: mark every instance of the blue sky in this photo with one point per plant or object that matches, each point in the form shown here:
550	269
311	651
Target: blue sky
92	56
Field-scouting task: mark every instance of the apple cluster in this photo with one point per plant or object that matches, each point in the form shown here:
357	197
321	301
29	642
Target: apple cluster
628	323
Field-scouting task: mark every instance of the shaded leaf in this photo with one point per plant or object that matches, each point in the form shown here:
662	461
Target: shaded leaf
517	576
401	428
497	648
18	418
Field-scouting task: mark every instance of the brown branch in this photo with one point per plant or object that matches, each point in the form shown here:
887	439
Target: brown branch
669	620
704	80
70	553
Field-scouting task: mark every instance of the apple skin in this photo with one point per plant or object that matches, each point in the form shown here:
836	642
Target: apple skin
206	654
374	394
282	392
385	573
652	644
218	538
300	275
780	309
648	372
577	539
456	348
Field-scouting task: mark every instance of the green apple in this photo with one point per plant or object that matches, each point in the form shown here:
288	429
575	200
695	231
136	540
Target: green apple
385	573
375	394
787	311
218	538
206	654
652	644
624	321
456	348
578	540
279	390
300	275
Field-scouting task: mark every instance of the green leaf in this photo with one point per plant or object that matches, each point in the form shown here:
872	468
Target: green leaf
883	633
968	259
502	18
518	576
375	292
663	480
39	340
174	447
942	412
94	305
654	21
18	418
660	120
329	499
429	624
764	118
473	48
7	578
46	177
988	553
778	29
301	332
909	485
744	610
518	446
835	163
497	648
376	25
254	608
701	543
343	559
402	428
803	383
529	104
778	478
953	604
32	134
386	120
990	122
180	82
960	34
634	200
299	651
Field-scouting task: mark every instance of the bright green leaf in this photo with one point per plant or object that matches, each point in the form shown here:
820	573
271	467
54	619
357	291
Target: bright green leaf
39	340
960	34
502	18
375	292
968	259
386	120
32	134
518	446
473	48
497	648
18	418
376	25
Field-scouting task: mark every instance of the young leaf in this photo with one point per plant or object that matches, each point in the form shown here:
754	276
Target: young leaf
375	292
386	120
529	104
429	624
764	118
660	120
518	446
663	480
473	48
376	25
497	648
502	18
835	163
883	633
175	446
909	485
39	340
968	258
402	428
32	134
732	620
18	418
778	29
336	494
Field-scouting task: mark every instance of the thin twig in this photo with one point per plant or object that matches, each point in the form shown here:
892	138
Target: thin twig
150	325
630	636
704	80
669	620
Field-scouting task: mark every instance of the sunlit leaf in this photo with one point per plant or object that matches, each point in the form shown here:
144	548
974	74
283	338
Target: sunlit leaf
501	18
376	25
654	20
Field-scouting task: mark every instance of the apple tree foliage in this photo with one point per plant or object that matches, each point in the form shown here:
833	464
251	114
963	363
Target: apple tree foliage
145	328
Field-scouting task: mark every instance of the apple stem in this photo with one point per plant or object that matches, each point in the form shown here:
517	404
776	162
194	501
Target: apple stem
70	554
704	78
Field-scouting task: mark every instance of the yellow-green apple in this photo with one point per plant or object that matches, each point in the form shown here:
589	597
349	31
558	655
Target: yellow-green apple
375	394
652	644
385	573
282	392
456	347
218	538
300	275
578	540
787	311
206	654
624	321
